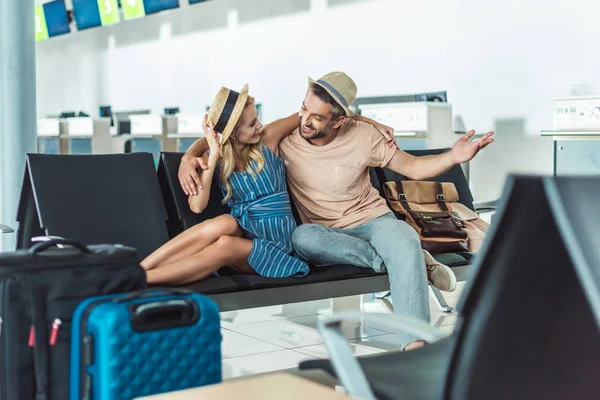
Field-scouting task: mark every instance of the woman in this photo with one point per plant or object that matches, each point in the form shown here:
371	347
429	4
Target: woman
256	237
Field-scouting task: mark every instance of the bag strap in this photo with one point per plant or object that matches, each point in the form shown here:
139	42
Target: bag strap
442	203
402	196
441	199
382	181
40	347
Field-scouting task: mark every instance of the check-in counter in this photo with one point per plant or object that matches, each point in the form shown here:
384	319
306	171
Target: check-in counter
576	152
79	135
576	135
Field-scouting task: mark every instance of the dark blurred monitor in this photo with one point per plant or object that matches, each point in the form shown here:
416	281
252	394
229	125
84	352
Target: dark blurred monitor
68	114
172	111
57	20
81	114
439	97
106	112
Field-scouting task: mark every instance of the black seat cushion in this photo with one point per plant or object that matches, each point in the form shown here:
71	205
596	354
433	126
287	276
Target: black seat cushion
416	374
212	285
317	274
453	259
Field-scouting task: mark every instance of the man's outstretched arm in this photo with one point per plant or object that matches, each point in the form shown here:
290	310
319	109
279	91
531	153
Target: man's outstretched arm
188	169
426	167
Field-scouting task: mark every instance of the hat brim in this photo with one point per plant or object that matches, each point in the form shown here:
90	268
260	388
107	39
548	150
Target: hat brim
236	113
348	111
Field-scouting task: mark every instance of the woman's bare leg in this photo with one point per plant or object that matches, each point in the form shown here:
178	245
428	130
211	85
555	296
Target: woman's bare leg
192	241
230	251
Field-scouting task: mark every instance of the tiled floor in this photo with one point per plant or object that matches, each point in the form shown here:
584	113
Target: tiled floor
275	338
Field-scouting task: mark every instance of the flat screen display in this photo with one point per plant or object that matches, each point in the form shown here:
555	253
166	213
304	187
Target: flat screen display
57	22
93	13
154	6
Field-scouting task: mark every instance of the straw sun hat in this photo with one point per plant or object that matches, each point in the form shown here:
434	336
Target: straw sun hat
340	86
226	109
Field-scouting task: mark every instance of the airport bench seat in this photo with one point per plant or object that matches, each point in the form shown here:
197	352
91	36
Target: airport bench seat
121	198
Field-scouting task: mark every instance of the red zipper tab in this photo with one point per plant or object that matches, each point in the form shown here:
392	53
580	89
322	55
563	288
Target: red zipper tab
54	334
31	337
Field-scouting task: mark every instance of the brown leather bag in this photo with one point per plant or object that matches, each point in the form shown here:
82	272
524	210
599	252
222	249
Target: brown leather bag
432	209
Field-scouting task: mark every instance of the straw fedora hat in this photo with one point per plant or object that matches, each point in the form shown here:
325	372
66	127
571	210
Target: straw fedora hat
340	86
226	109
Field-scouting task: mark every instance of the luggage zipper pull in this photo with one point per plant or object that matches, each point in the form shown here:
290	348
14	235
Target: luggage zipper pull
54	334
31	337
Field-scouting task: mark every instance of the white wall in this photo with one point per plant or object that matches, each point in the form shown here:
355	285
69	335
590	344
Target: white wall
500	61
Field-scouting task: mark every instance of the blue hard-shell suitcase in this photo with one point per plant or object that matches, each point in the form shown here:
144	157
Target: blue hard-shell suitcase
147	342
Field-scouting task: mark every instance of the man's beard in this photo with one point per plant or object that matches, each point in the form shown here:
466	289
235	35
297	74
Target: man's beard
318	134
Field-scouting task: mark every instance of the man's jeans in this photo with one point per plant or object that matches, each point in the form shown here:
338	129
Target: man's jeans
382	243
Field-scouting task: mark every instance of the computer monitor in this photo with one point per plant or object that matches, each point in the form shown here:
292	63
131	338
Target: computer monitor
93	13
57	21
106	112
67	114
438	97
171	110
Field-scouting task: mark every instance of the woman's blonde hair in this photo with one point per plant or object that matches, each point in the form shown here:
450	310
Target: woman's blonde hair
250	153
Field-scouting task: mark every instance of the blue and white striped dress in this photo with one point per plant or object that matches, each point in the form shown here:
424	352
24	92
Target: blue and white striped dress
261	205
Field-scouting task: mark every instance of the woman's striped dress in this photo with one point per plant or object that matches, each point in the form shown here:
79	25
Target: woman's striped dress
261	205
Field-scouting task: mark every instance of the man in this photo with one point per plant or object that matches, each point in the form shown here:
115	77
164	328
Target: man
345	220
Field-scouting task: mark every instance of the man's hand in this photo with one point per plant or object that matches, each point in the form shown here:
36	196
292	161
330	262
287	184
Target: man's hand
464	150
388	134
188	174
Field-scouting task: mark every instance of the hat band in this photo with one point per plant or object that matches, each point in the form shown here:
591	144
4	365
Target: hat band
232	98
340	97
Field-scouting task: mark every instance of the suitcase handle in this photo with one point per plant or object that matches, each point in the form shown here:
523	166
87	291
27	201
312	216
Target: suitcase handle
165	314
140	294
38	248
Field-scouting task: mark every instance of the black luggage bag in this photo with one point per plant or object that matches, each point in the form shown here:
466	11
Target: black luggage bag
39	290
